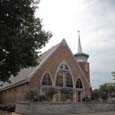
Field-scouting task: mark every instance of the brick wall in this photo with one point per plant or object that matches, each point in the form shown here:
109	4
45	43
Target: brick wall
61	54
14	95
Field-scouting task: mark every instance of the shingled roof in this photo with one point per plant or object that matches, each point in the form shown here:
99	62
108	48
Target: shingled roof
25	74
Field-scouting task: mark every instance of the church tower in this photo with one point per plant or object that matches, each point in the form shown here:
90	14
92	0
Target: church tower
82	59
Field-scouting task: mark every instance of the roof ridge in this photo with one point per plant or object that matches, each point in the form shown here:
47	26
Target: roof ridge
31	70
44	60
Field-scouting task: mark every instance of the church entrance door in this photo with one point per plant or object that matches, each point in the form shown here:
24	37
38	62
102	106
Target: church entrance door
79	96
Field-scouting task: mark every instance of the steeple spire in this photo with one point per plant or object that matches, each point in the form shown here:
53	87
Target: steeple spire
80	56
79	43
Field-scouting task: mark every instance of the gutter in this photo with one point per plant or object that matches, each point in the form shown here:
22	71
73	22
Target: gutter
14	85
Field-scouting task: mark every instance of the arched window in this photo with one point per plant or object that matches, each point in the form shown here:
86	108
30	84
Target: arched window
46	80
69	80
59	80
64	78
79	84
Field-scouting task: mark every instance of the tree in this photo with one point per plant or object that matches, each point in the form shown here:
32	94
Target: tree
21	36
105	91
95	94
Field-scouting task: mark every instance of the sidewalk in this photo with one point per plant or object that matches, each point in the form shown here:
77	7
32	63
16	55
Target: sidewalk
100	113
15	114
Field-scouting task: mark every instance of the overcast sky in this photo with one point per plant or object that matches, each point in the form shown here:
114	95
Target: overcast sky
96	21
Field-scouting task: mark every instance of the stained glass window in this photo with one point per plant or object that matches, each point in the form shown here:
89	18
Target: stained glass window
64	77
79	84
46	80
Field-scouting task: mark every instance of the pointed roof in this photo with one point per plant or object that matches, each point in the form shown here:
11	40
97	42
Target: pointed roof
80	52
79	43
26	74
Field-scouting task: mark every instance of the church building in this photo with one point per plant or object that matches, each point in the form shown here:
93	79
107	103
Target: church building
59	69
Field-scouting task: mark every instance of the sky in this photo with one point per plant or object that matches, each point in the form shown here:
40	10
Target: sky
96	21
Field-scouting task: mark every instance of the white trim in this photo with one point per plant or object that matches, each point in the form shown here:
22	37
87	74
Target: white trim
29	77
80	80
79	67
14	85
58	68
42	86
42	62
43	77
38	67
45	60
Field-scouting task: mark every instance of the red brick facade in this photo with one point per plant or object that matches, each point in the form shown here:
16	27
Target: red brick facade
62	54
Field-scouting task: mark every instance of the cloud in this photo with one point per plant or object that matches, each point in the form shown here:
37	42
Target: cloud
99	78
96	21
101	44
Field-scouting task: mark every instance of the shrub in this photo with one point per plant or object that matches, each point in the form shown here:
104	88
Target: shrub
41	98
32	95
50	93
8	108
67	91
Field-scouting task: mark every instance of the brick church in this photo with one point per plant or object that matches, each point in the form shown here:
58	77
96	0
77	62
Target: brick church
58	68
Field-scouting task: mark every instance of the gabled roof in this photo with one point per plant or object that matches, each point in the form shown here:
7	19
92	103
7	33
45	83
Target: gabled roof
25	74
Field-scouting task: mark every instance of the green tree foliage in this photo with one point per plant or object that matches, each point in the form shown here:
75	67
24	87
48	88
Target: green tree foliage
105	91
50	93
32	95
67	91
21	36
95	94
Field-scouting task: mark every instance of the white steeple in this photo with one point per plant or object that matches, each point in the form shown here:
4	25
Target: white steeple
80	56
79	43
